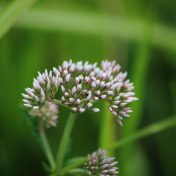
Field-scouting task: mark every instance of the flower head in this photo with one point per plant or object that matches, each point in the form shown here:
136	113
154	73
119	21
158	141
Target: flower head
83	84
98	164
39	98
48	113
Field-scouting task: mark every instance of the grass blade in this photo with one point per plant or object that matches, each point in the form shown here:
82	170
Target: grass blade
99	25
11	13
147	131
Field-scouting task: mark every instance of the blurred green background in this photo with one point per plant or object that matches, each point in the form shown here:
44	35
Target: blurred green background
139	34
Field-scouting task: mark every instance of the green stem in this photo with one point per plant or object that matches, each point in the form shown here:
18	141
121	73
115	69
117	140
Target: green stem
47	149
147	131
73	163
106	130
80	172
58	102
64	142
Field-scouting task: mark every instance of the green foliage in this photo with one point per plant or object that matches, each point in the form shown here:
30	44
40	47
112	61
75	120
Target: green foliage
11	13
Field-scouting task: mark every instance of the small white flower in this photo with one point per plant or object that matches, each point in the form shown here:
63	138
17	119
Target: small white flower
93	84
63	98
79	87
62	88
74	90
81	110
65	72
95	109
89	96
78	101
35	107
97	82
102	84
66	94
48	113
104	96
67	78
89	105
110	92
77	80
74	109
65	65
26	96
98	92
79	66
96	98
87	79
71	100
27	105
114	106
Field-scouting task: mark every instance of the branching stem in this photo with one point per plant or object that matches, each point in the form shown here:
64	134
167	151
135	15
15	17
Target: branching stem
64	142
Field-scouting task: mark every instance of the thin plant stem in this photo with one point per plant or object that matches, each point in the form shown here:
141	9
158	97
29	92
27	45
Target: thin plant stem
107	130
73	163
58	102
46	148
147	131
64	142
77	172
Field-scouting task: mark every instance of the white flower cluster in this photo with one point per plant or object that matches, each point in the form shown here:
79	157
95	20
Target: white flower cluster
82	84
48	113
100	165
39	98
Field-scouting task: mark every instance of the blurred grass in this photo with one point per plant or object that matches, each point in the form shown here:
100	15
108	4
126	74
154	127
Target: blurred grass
145	132
98	24
11	13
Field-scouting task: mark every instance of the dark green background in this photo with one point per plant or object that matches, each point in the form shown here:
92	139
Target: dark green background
150	62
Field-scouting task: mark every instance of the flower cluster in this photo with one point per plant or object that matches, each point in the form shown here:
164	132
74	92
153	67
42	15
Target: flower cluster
99	164
39	98
48	113
83	84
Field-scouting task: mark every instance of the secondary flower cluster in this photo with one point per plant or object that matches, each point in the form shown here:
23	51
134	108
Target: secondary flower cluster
99	164
48	113
81	85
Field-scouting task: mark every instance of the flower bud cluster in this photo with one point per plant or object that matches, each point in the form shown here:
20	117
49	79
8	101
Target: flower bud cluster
83	84
98	164
48	113
39	98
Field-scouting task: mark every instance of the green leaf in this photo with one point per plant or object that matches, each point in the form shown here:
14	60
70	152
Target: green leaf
11	13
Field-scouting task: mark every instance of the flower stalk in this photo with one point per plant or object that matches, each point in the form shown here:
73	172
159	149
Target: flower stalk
46	147
64	142
107	130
